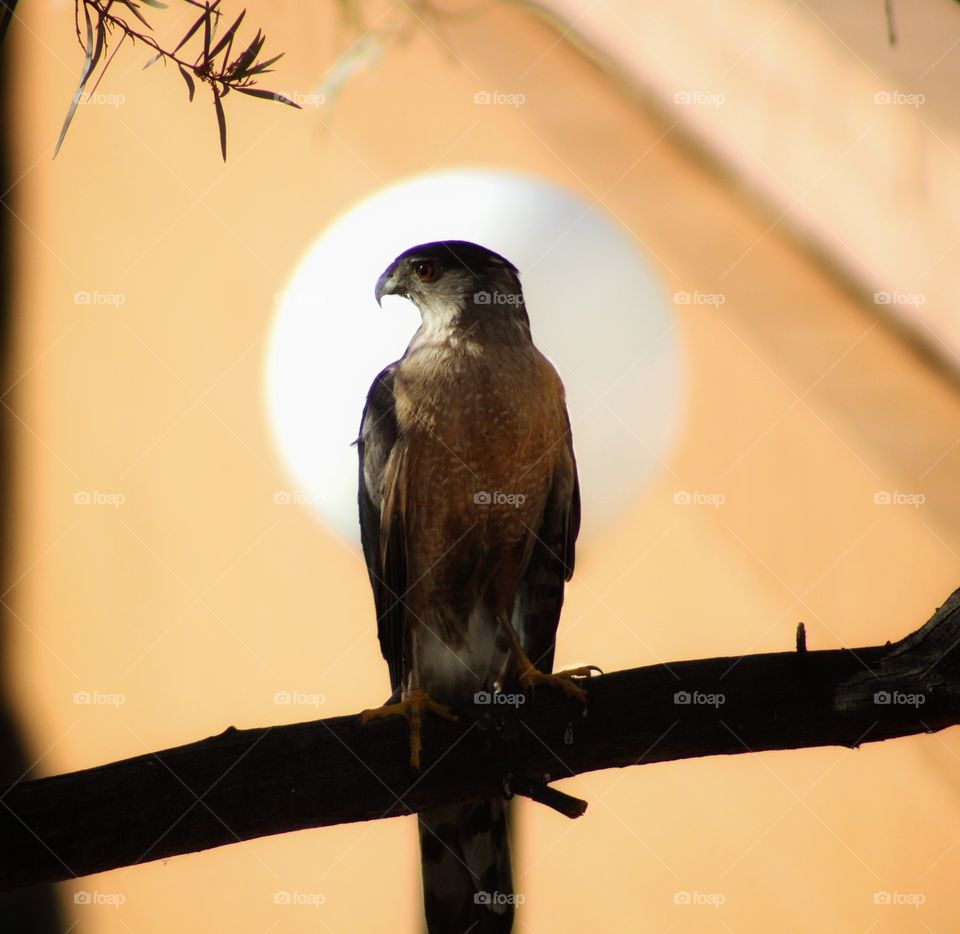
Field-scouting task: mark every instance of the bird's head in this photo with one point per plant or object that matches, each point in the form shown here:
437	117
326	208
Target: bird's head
454	282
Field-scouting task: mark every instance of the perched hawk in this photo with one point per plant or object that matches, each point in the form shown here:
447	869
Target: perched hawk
469	510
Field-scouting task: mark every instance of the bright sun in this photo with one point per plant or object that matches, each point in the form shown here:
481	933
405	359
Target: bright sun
595	309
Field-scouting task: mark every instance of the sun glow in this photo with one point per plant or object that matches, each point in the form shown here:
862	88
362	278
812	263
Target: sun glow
596	311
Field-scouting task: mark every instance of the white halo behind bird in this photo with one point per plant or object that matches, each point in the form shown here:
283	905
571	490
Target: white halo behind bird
596	310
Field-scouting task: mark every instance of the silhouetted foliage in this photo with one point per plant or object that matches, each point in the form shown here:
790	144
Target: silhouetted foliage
107	24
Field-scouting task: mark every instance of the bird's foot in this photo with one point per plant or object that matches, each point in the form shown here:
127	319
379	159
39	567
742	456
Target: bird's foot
530	677
412	707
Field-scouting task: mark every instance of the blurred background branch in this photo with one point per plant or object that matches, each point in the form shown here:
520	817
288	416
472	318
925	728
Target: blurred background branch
7	9
35	910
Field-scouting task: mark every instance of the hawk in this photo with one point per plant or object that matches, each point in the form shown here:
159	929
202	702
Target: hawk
469	512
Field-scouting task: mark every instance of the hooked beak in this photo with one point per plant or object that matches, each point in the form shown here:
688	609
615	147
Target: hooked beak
386	285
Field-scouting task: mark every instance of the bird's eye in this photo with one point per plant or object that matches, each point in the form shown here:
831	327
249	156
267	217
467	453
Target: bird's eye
425	270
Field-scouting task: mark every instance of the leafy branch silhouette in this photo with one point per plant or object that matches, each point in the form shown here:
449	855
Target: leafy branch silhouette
213	65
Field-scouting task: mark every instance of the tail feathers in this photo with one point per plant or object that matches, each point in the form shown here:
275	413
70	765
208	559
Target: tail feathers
467	885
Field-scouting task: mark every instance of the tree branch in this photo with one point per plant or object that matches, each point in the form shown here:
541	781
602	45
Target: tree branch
251	783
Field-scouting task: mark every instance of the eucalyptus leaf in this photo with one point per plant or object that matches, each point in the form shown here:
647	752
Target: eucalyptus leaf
92	54
193	29
221	123
135	10
228	36
267	96
189	80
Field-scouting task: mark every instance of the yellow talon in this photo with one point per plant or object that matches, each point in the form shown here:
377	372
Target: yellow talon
531	677
412	707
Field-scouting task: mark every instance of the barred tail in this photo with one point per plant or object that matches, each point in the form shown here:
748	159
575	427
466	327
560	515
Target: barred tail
465	856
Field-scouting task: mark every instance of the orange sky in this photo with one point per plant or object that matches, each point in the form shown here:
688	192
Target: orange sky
200	597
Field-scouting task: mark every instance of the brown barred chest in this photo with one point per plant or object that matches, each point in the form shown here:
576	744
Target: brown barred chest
496	415
481	442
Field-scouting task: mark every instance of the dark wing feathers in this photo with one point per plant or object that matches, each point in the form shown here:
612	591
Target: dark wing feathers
540	596
571	523
386	561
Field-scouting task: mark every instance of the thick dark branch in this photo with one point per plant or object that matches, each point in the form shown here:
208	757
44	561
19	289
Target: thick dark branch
251	783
